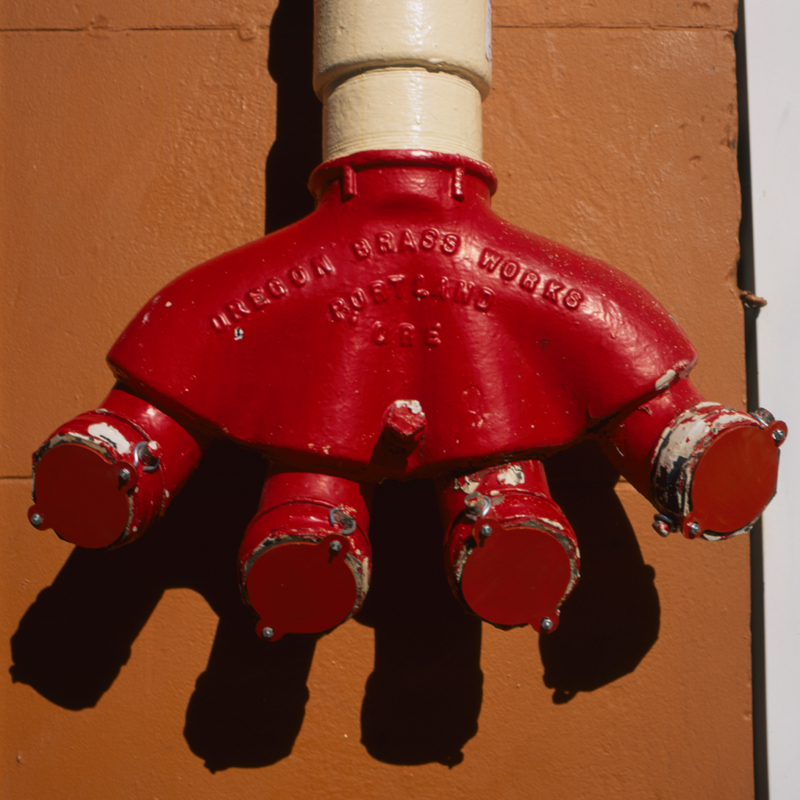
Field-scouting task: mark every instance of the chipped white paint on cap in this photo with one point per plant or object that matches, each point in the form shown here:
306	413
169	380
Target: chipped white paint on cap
110	435
511	475
402	74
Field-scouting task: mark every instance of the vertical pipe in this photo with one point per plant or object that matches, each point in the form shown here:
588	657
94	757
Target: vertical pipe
402	74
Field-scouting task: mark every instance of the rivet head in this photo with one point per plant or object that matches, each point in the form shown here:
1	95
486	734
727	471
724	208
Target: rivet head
546	624
267	633
335	547
124	476
778	435
36	520
694	529
486	530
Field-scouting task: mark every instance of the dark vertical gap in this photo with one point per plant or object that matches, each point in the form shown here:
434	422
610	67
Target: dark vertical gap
747	281
298	134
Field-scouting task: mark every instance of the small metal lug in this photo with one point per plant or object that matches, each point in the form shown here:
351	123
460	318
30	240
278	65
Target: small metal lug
546	624
663	525
486	530
267	633
335	547
478	505
124	476
341	519
694	529
778	435
148	454
764	415
36	520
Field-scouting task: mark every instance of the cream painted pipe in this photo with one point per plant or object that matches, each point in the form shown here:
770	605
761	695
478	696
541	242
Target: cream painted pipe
402	74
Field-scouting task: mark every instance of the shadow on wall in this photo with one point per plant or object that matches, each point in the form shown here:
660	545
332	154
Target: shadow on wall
611	620
423	698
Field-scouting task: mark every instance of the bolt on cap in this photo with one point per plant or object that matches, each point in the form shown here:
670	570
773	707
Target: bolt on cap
546	624
267	633
36	520
335	547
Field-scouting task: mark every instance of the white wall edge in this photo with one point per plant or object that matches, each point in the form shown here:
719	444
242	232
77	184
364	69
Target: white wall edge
773	78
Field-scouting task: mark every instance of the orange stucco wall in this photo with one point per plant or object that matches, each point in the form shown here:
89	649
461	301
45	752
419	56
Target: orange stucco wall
140	138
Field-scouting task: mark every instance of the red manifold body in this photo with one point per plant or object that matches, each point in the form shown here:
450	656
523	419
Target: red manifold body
402	330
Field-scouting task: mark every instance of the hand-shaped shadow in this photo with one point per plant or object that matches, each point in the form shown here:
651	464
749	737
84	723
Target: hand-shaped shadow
423	698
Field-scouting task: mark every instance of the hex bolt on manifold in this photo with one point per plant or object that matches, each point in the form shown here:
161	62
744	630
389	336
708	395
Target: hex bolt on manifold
402	281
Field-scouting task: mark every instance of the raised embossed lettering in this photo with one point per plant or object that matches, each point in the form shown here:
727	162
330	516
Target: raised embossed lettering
551	290
572	299
407	241
509	270
219	322
339	309
358	299
442	289
529	280
384	242
396	281
419	287
407	334
429	237
450	243
298	276
433	334
379	333
322	266
378	291
276	287
237	309
361	249
489	260
463	292
484	299
257	298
